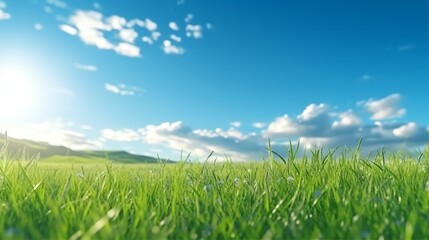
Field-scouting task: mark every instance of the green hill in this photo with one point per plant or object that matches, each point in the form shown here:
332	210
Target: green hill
58	154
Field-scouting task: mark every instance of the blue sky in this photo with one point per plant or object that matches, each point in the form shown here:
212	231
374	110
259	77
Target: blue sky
198	76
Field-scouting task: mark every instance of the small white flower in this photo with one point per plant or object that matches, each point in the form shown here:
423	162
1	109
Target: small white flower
290	179
236	181
207	188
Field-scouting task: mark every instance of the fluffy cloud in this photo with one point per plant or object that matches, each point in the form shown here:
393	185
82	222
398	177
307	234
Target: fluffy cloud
90	26
85	67
3	14
121	89
173	26
169	48
347	119
128	49
156	35
116	22
385	108
175	38
406	130
177	136
194	31
150	25
147	40
123	135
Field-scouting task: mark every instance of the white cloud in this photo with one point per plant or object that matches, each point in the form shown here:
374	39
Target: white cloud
68	29
128	50
3	14
405	47
194	31
235	124
156	35
406	130
385	108
147	40
177	136
121	89
347	119
173	26
85	67
116	22
123	135
259	125
57	133
38	26
57	3
90	25
150	25
313	111
169	48
128	35
175	38
283	126
136	22
189	17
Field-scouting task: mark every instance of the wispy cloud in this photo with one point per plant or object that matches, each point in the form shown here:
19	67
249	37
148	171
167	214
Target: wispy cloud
385	108
189	17
405	47
169	48
123	135
68	29
122	89
57	132
86	67
38	27
259	125
65	92
365	77
57	3
235	124
3	14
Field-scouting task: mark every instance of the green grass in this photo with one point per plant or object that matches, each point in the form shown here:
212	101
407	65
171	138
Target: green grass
319	196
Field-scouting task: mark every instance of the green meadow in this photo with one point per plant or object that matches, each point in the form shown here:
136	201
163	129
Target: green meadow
319	195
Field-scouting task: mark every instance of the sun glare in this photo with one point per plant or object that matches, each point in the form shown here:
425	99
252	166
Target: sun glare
16	91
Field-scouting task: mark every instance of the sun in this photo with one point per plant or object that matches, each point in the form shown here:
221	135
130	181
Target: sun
16	91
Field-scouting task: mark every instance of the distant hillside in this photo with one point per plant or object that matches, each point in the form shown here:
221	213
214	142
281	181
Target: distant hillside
16	147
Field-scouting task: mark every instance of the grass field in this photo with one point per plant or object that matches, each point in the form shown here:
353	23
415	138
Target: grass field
320	195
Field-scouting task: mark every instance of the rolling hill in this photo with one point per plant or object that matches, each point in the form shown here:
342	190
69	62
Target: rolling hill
49	153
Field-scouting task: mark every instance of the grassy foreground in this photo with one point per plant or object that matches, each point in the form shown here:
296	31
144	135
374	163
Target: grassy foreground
319	196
